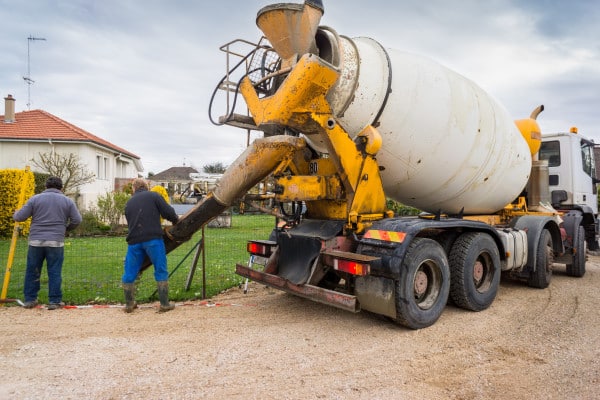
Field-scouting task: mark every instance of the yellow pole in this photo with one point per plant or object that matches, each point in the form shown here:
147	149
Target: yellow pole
13	242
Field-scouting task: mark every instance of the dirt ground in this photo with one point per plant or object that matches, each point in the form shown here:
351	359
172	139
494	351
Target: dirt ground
266	344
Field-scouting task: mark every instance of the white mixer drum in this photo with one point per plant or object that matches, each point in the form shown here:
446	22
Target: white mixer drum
447	144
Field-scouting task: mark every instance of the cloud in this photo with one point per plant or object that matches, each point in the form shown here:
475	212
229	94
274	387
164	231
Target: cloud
140	73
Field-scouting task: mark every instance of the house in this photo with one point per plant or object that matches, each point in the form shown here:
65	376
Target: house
175	179
23	135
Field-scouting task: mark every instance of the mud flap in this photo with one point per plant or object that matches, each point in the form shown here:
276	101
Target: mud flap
300	246
296	256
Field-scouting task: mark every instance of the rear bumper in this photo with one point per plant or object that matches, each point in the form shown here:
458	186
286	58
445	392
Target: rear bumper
329	297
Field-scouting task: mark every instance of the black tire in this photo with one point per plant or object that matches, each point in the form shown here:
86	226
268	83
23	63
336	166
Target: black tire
474	271
577	266
423	286
541	277
447	239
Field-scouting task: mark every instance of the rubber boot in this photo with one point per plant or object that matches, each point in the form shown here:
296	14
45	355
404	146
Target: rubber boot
163	296
129	291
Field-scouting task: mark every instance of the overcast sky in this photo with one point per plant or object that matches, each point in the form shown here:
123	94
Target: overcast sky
140	73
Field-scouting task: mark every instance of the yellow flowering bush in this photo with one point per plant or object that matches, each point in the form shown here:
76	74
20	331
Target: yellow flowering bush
163	192
12	181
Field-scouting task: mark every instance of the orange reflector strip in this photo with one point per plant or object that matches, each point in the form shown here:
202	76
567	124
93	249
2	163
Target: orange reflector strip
388	236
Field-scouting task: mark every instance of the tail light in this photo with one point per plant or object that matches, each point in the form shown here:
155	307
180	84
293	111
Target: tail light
351	263
261	248
351	267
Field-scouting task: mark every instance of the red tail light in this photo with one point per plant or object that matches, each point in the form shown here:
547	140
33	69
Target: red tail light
351	263
351	267
261	248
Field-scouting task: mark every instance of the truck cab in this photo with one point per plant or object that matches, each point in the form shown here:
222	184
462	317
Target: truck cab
572	178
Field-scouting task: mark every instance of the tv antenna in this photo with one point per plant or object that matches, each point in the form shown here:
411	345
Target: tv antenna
27	78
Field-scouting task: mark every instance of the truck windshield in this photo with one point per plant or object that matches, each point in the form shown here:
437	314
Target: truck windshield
587	157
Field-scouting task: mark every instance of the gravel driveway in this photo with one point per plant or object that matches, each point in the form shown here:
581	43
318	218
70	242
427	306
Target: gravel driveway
530	344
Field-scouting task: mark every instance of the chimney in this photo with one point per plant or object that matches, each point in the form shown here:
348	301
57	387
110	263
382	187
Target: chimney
9	109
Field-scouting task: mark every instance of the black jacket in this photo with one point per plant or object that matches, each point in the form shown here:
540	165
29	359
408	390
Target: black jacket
143	212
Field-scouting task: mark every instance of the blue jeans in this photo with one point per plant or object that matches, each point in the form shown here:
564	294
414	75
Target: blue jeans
54	257
155	250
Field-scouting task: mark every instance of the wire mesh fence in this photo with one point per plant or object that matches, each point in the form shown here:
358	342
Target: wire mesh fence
93	266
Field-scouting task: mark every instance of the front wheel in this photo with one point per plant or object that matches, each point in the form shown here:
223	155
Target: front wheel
423	286
577	266
540	278
475	271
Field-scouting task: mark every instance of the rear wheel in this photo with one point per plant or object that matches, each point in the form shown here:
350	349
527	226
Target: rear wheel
577	266
474	271
447	239
423	285
540	278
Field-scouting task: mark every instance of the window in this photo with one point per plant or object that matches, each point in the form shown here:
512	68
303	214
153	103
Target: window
550	151
122	169
99	169
587	157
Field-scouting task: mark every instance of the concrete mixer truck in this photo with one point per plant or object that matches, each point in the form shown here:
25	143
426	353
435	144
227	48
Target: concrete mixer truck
348	124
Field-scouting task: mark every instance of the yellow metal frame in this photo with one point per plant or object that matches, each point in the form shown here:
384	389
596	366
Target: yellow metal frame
516	209
346	185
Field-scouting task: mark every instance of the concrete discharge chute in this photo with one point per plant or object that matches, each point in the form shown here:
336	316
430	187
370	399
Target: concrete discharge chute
261	158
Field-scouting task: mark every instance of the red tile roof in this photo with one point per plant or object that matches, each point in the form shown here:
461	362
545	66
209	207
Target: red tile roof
38	125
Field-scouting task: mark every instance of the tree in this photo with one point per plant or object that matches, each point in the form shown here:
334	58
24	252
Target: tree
214	168
68	167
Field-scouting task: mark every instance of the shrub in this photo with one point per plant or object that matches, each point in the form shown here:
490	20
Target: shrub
91	225
111	208
400	209
40	181
12	182
162	191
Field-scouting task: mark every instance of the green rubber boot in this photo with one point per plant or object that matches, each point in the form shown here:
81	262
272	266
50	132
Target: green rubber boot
129	291
163	296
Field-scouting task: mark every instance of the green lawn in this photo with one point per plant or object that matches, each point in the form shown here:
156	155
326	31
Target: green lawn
93	265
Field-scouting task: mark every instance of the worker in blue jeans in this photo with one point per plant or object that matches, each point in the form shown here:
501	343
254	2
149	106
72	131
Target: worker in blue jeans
145	238
52	215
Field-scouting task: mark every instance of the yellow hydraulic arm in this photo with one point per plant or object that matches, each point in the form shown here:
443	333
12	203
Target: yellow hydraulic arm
344	185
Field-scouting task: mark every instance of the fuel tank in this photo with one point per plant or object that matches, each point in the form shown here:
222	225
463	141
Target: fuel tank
447	144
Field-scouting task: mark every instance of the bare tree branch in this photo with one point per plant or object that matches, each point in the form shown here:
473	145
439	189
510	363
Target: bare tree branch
68	167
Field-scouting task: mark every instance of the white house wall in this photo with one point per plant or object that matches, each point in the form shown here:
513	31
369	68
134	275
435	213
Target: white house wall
17	155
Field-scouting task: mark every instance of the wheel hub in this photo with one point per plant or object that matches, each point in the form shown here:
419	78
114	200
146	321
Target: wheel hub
477	272
421	283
